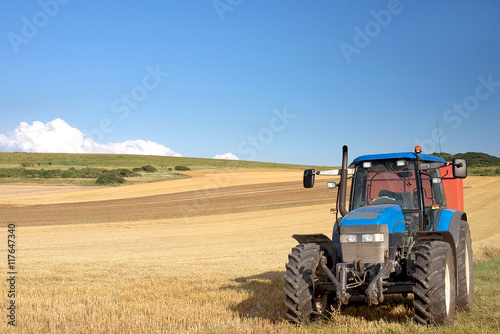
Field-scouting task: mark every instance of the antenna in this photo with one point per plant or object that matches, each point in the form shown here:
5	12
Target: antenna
439	138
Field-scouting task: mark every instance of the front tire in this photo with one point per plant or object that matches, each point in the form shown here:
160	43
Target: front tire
303	301
465	272
435	284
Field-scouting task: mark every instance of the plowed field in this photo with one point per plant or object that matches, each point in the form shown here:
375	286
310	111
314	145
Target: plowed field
210	201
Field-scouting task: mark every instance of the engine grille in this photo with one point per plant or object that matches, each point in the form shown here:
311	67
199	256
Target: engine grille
369	252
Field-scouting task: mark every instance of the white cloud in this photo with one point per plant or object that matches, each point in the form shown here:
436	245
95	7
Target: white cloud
58	136
227	156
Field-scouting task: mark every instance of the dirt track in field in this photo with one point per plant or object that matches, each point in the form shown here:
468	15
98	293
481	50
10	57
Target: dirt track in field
209	201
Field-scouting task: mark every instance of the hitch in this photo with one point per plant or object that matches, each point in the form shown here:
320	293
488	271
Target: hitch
375	291
340	287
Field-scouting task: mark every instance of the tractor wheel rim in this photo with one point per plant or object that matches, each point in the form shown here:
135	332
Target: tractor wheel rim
447	288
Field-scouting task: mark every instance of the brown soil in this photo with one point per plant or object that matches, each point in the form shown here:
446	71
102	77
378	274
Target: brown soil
209	201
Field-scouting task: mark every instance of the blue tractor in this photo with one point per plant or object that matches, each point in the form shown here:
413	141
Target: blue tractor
399	235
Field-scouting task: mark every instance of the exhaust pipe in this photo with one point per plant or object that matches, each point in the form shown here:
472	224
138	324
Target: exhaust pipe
343	182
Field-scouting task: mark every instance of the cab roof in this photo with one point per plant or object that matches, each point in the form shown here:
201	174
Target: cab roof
403	155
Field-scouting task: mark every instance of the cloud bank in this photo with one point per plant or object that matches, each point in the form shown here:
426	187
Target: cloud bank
58	136
227	156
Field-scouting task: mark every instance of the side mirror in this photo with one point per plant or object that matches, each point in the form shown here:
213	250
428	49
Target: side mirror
309	176
459	168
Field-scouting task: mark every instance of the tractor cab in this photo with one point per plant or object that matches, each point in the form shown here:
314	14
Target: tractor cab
399	179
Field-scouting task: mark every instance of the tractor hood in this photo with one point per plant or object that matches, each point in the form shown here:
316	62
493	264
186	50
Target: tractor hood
387	214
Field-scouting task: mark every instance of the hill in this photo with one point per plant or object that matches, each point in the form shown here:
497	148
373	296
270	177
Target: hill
474	159
83	169
131	161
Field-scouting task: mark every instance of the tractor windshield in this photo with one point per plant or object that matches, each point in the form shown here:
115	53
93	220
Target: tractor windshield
385	182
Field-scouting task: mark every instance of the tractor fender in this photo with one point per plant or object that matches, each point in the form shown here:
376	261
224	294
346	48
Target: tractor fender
319	239
449	220
447	230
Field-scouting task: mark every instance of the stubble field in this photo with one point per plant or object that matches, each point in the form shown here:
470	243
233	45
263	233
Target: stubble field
204	254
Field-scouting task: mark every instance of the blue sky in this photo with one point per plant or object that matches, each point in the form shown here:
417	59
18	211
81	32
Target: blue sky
278	81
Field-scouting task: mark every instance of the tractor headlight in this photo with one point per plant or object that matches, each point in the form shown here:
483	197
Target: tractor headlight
345	238
372	237
375	237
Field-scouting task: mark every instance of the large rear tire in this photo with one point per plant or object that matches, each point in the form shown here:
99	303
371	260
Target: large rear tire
465	272
435	284
303	301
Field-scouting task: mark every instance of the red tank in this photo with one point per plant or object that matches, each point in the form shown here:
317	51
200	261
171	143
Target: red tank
453	188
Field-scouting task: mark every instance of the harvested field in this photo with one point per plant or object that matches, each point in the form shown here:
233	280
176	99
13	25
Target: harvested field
482	204
140	263
197	181
10	191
